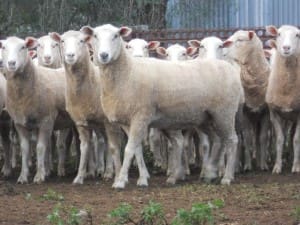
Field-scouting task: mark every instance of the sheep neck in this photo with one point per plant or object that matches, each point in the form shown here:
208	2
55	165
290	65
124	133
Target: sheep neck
79	75
22	83
254	76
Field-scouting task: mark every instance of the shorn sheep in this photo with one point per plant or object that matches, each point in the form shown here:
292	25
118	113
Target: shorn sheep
283	95
83	100
246	49
35	101
141	92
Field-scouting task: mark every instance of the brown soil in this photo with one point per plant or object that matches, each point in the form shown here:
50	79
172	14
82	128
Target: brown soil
256	198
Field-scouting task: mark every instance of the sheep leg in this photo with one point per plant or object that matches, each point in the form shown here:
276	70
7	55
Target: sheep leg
43	142
296	145
14	146
24	136
133	147
154	142
91	171
263	144
177	170
203	150
7	167
248	139
277	124
61	151
187	149
100	143
85	137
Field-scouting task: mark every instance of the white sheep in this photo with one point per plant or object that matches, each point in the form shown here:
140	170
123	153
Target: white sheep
176	52
246	49
140	48
283	96
35	101
143	92
83	100
209	47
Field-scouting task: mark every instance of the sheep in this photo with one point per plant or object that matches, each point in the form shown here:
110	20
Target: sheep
176	52
144	92
246	49
83	100
283	90
35	101
209	47
140	48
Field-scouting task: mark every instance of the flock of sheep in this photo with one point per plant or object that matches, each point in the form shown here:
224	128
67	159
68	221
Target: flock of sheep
221	109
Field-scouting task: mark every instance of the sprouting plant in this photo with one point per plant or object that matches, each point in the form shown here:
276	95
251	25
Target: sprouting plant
200	214
55	216
121	215
153	214
52	195
296	213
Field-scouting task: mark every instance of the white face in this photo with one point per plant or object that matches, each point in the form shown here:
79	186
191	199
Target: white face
241	45
176	53
211	48
106	43
138	48
288	41
48	51
73	44
14	53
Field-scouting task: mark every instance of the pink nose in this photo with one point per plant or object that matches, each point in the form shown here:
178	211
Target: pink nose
286	48
47	58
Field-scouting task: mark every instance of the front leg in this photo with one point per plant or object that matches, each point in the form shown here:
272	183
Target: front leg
24	136
85	136
43	143
296	143
136	133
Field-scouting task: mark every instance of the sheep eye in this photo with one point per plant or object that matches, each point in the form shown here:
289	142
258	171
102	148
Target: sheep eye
278	34
201	46
115	36
62	41
23	47
184	54
95	36
298	35
3	48
81	41
220	46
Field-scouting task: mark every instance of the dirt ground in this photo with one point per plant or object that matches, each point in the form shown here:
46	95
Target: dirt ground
254	198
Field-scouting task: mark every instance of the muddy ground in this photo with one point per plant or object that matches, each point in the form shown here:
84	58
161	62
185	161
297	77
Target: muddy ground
254	198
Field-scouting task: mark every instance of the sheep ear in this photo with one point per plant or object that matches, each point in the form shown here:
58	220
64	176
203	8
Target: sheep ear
191	51
271	43
125	31
31	42
87	30
250	34
152	45
32	53
194	43
161	51
271	30
267	53
55	36
227	43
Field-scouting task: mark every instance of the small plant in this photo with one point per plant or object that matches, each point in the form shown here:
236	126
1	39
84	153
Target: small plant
121	215
296	214
62	215
200	214
52	195
153	214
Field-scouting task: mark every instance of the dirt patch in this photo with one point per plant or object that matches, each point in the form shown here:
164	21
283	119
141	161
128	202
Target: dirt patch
256	198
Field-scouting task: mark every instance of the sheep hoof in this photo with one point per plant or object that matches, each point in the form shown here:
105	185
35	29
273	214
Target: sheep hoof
142	182
78	180
39	178
296	168
108	175
22	179
119	184
6	171
100	172
247	167
226	181
171	180
276	169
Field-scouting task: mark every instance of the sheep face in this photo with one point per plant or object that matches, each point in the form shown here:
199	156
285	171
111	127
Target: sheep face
47	51
287	39
106	42
73	45
173	53
15	52
140	48
211	48
240	45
